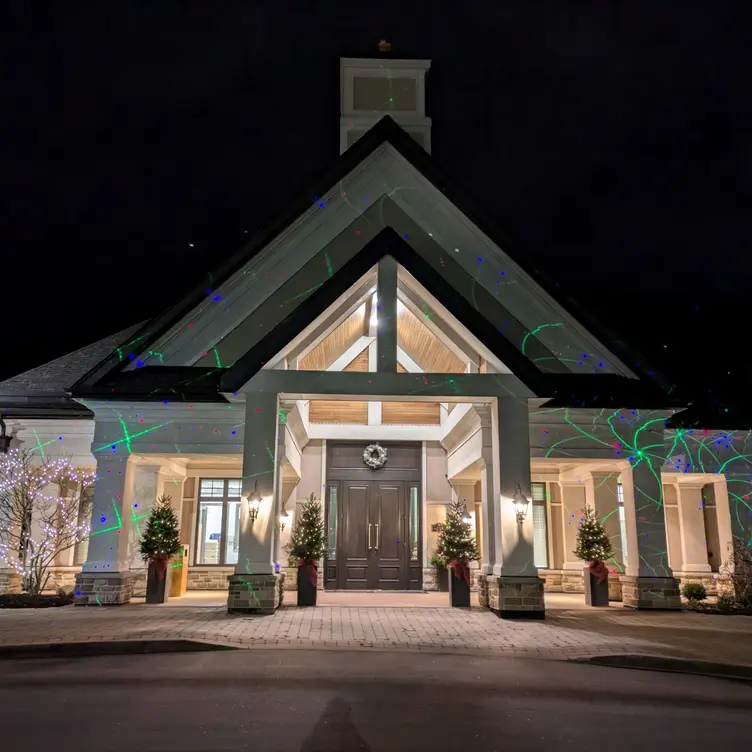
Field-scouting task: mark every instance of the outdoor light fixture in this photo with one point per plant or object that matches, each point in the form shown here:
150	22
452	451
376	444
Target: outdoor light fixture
466	516
284	517
4	440
521	503
254	502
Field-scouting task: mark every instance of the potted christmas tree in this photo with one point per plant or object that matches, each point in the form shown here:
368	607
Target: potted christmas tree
457	545
160	541
306	547
594	547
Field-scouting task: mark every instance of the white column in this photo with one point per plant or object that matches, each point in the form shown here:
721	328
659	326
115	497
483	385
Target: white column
647	549
260	469
110	520
490	529
723	515
573	501
512	453
692	525
605	502
140	502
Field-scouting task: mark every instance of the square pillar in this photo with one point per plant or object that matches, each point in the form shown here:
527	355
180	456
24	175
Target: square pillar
513	589
254	586
649	581
605	503
694	545
106	578
573	501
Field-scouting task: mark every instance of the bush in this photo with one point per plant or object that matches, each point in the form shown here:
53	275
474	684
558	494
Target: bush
726	604
693	591
66	593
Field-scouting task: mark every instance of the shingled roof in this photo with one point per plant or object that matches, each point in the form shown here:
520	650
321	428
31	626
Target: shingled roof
45	390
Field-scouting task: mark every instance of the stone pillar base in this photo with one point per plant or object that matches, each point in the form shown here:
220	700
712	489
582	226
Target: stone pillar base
103	588
10	582
254	593
614	587
650	592
512	597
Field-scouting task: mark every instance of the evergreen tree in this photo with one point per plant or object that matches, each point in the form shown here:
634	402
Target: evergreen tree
593	543
162	535
456	541
307	541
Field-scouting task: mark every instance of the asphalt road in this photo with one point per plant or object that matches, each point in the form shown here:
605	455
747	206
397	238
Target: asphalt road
340	701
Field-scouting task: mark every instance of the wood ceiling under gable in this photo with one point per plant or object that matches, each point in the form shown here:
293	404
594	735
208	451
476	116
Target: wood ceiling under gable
423	346
331	347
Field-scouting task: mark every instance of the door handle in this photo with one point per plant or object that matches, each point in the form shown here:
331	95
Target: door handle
377	535
369	536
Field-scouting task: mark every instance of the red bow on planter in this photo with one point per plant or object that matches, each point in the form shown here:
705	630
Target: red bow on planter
313	570
160	565
460	569
599	570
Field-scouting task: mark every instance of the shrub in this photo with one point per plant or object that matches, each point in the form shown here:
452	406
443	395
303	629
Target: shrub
66	593
726	604
694	591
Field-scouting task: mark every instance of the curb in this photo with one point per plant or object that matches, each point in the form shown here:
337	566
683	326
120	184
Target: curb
671	665
125	647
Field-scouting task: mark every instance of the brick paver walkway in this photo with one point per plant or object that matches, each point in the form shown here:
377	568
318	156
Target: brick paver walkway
565	634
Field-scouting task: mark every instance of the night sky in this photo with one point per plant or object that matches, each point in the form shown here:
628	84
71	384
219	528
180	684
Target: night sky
610	139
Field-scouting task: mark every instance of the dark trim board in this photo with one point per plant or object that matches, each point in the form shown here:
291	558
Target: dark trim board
386	130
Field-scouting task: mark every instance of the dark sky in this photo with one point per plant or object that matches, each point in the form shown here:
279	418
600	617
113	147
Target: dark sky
611	139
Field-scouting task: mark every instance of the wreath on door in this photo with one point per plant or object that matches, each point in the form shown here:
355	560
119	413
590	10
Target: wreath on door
374	456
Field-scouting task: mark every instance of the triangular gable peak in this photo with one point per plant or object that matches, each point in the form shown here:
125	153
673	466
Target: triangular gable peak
388	184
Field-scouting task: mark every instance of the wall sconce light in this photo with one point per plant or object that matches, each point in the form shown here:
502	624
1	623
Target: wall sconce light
521	504
284	518
254	503
4	440
466	516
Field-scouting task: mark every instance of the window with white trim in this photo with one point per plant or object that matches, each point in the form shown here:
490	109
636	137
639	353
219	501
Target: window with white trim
218	523
540	526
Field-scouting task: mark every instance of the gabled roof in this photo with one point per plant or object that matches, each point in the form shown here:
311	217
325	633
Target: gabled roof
197	383
47	386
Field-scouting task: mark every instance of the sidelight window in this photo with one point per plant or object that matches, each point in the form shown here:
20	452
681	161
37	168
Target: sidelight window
331	530
540	527
218	526
622	521
414	522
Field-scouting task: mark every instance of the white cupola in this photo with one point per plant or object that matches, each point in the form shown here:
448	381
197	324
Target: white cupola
373	87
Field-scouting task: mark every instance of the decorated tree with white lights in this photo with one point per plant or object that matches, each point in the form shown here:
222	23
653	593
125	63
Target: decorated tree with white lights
307	539
593	543
45	509
161	539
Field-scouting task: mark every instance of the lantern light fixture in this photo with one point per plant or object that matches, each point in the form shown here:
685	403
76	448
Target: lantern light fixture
521	504
254	503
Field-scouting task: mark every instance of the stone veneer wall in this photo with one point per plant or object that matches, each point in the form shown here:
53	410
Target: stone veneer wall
712	580
209	578
10	582
96	589
291	578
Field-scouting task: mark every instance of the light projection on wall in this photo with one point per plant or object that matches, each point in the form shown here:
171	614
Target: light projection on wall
485	270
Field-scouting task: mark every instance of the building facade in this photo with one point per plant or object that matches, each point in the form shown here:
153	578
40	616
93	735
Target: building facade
383	308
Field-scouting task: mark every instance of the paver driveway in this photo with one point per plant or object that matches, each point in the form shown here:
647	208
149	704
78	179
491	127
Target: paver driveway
432	629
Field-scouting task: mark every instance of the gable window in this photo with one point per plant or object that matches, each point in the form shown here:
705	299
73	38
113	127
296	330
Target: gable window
218	526
540	528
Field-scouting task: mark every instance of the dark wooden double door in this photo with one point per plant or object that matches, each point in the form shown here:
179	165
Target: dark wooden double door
378	523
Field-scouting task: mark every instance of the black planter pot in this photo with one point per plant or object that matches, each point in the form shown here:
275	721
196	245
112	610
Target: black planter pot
157	584
442	579
459	591
596	594
306	587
